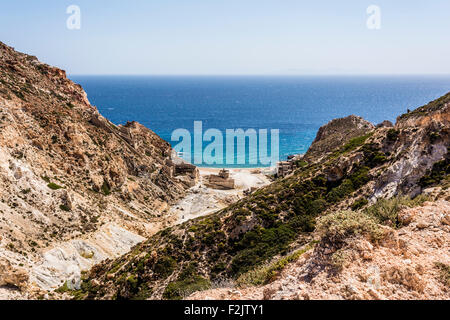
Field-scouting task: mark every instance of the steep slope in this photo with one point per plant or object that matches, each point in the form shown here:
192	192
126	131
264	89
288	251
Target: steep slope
74	188
410	262
281	217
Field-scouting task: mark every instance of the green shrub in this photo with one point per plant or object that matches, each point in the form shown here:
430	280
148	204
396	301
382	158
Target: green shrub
133	282
360	177
261	244
373	156
440	170
188	282
392	134
219	267
64	288
178	290
385	210
338	226
340	192
106	189
255	277
360	203
54	186
316	207
267	273
355	143
64	207
301	163
303	223
339	259
165	266
444	273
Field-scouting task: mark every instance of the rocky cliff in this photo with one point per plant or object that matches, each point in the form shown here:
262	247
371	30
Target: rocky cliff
354	187
74	188
336	133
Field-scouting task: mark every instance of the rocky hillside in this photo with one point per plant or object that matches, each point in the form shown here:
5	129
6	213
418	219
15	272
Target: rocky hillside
410	261
339	193
74	187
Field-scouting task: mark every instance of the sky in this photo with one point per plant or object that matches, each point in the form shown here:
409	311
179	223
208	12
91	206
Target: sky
232	37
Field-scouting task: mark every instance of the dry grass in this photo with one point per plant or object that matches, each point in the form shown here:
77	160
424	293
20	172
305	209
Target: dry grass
338	226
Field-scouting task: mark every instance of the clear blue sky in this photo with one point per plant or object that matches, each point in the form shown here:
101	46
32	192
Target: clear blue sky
232	36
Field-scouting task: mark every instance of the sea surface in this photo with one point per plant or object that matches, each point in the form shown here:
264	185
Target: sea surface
296	106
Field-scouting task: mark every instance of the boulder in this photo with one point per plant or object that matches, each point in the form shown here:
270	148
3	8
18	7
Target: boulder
12	276
385	124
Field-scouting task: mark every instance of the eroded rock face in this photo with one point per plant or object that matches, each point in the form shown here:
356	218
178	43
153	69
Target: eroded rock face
418	142
65	170
65	262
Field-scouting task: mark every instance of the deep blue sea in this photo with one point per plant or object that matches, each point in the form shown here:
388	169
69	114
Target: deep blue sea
297	106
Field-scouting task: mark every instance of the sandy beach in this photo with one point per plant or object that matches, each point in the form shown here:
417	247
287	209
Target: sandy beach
202	200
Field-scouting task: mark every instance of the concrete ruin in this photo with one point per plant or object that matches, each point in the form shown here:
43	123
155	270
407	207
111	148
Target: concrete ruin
222	181
285	168
185	172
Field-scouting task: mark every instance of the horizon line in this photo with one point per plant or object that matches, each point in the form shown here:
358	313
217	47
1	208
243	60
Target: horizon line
262	75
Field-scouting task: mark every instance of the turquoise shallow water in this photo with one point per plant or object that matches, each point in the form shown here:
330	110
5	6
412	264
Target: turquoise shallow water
297	106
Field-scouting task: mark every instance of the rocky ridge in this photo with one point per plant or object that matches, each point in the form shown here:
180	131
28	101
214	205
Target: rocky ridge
74	187
331	135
